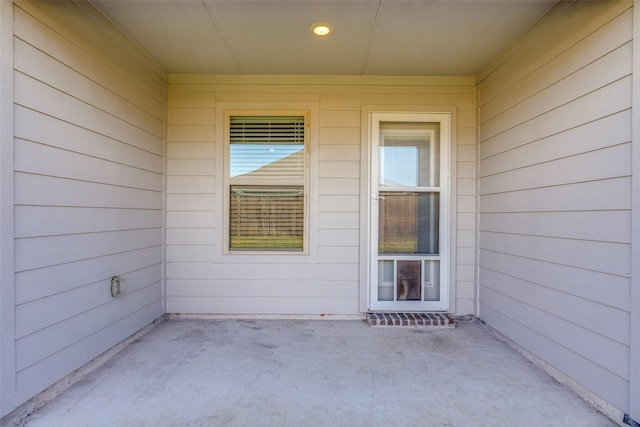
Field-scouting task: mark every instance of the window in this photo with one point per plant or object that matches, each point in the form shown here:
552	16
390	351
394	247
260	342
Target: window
266	182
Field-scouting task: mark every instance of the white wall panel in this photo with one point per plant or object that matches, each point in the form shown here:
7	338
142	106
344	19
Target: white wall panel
612	162
177	184
612	194
328	279
265	288
262	305
335	186
338	254
604	288
66	192
591	77
194	236
41	252
611	99
339	237
582	225
341	152
53	132
52	161
339	220
190	167
189	202
555	194
42	313
192	150
48	70
191	116
579	48
611	349
604	132
339	203
89	183
189	218
31	93
190	253
338	169
71	329
337	135
45	372
47	36
560	357
62	220
42	282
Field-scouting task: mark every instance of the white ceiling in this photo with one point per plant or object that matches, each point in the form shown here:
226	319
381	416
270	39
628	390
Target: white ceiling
371	37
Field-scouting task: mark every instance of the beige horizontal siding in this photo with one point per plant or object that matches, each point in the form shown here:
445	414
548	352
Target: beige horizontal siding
89	182
555	196
566	360
77	139
265	288
329	281
38	376
261	305
32	285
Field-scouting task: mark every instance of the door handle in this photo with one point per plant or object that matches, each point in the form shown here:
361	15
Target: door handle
376	197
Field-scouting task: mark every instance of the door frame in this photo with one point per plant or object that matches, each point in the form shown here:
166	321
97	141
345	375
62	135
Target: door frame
448	243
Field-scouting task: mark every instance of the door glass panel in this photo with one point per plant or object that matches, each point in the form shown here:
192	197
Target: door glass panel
431	280
385	280
408	155
408	223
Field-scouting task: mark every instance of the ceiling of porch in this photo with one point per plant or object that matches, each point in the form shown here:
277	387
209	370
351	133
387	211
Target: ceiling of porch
370	37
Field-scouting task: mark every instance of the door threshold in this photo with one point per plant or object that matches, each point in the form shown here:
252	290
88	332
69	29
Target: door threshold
411	320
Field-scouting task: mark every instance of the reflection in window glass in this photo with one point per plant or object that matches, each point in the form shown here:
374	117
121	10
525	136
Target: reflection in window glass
266	160
264	217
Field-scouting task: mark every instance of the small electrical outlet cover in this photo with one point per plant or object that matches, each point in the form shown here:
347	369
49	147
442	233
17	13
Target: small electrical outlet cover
117	286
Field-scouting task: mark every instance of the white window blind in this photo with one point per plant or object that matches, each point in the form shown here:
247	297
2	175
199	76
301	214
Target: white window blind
259	129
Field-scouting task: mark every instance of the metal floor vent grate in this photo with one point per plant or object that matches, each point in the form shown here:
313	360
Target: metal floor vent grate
410	320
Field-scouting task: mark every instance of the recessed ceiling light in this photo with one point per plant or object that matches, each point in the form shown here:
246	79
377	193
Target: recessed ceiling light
321	28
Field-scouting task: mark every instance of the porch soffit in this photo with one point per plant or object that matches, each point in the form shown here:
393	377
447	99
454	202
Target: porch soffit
371	37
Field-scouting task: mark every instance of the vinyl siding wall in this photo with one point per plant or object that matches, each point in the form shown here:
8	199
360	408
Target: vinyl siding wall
89	164
555	196
328	280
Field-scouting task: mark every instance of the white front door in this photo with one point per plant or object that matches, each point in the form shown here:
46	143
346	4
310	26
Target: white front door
409	212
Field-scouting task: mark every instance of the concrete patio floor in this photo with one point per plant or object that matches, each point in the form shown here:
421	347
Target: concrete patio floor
316	373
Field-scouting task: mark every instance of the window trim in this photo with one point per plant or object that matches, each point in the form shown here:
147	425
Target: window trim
227	182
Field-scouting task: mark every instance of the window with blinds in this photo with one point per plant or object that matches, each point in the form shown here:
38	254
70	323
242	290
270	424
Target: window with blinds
266	183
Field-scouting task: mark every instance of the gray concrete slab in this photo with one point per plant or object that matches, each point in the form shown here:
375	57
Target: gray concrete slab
316	373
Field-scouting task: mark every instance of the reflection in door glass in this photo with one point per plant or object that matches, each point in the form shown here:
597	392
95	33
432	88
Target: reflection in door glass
385	280
432	281
408	223
408	155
